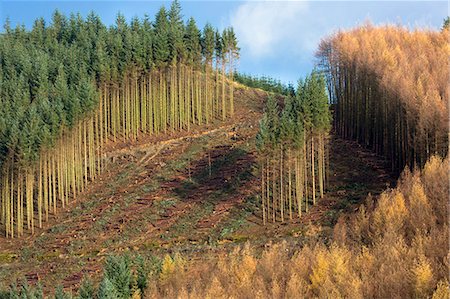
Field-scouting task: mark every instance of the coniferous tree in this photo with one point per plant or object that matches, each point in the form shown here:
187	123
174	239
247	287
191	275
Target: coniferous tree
86	290
208	45
220	65
383	98
106	289
292	150
117	271
72	86
161	49
176	32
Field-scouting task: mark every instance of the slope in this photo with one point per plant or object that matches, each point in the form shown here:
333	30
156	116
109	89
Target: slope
189	192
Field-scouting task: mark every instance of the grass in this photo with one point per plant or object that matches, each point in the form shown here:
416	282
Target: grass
162	205
6	258
58	228
180	204
186	224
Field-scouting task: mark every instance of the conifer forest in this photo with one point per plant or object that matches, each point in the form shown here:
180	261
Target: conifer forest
148	156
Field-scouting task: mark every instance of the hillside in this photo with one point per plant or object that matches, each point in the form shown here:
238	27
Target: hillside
136	161
187	192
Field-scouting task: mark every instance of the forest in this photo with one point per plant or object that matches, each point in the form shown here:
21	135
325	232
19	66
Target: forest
293	146
265	83
137	161
69	88
390	90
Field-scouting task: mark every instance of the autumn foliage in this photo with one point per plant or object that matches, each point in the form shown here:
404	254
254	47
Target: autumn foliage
395	247
390	90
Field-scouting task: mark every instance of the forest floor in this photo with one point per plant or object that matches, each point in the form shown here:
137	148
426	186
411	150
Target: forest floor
189	192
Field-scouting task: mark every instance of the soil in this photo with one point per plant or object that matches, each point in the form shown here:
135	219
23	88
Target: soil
190	192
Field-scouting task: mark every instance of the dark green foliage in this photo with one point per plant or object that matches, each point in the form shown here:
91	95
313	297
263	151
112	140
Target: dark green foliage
262	138
292	145
273	121
12	293
304	100
61	294
192	41
176	33
218	45
229	43
86	290
141	274
38	292
208	42
5	294
26	292
107	290
118	272
323	114
313	102
161	48
49	75
121	276
446	23
288	122
265	83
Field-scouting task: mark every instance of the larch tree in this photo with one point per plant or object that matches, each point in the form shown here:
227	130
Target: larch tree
384	97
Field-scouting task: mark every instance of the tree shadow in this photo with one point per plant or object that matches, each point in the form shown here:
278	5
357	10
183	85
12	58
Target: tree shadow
222	171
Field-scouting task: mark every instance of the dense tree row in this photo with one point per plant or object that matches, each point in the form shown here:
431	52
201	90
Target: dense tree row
293	148
390	90
265	83
69	88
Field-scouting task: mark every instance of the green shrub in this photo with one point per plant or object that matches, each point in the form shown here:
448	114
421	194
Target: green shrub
118	272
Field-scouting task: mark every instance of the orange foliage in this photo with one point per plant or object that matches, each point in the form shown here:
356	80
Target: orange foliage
390	87
395	248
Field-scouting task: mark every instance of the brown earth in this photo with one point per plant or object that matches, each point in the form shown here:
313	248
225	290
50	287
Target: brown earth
191	192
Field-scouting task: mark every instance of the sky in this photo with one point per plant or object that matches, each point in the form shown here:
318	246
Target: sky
277	38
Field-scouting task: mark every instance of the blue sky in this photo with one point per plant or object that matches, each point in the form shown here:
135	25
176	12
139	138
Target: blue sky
277	38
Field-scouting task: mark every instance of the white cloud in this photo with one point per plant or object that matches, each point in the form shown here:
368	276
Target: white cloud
262	26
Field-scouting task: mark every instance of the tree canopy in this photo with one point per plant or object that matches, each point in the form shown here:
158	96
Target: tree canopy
59	65
390	90
69	87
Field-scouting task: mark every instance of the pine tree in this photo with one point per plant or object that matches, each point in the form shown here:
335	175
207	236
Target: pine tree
208	45
61	294
287	136
107	290
86	290
262	140
161	49
192	41
117	271
288	161
220	65
72	86
176	32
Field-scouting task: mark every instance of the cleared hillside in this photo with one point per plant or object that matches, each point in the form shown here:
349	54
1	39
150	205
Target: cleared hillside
187	192
70	87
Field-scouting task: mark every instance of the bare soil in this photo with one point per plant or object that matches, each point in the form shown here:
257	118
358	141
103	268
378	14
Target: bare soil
190	192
